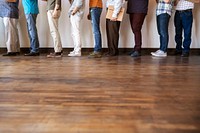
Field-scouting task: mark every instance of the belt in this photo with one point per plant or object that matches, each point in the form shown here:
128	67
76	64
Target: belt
188	10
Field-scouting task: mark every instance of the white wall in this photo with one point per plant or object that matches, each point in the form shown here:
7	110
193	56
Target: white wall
150	35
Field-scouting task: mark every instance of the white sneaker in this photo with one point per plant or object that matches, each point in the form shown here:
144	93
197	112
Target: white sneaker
73	54
159	53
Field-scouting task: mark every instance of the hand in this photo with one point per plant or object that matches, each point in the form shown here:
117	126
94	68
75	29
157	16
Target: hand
113	19
56	13
89	16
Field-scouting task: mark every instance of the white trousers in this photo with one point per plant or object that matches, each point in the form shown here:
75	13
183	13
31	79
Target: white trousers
75	32
53	25
11	34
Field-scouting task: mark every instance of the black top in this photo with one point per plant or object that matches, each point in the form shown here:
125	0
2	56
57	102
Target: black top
137	6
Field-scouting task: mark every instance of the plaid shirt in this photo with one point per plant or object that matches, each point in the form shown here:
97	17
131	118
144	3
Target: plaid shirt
163	7
184	5
9	9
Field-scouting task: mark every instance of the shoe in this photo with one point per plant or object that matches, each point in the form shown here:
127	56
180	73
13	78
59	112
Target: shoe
110	54
136	54
178	52
74	54
71	52
185	54
55	55
159	53
11	54
32	54
95	55
131	52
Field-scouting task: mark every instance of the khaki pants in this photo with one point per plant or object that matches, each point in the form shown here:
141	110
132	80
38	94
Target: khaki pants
11	34
53	25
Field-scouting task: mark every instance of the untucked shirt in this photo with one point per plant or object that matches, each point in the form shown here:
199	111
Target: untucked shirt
52	3
163	7
184	5
30	6
137	6
80	4
95	3
117	6
9	9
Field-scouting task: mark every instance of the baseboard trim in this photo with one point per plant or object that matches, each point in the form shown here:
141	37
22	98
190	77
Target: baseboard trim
122	51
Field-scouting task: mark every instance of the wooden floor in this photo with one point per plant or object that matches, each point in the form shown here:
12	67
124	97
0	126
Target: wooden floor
107	95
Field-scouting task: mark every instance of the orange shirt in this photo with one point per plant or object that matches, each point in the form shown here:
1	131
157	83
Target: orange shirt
96	3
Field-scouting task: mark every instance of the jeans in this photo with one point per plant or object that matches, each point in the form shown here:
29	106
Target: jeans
162	26
95	17
32	32
183	21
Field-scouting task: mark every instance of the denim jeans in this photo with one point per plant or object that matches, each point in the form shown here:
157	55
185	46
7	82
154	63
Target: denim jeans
162	26
183	21
95	17
32	32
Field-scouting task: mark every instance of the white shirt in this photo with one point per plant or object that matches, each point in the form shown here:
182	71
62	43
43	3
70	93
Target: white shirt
184	5
117	6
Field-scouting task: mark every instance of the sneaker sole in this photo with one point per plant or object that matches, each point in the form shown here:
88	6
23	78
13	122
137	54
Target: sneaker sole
158	55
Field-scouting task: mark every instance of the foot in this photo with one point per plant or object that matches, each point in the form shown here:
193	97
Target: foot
11	54
159	53
95	55
178	52
55	55
185	54
136	54
74	54
32	54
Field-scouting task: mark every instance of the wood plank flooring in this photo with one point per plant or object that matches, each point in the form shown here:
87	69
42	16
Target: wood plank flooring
107	95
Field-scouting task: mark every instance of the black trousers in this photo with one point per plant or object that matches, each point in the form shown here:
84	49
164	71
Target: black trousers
112	30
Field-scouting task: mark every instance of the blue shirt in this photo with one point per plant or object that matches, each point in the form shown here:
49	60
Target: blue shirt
30	6
9	9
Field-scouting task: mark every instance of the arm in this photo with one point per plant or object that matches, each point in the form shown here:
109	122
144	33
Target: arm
78	4
117	8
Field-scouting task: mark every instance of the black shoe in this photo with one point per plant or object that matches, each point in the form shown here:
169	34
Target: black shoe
131	52
32	54
185	54
10	54
136	54
178	53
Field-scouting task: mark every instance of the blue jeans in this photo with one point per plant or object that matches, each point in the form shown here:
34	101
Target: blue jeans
162	26
95	18
183	21
32	32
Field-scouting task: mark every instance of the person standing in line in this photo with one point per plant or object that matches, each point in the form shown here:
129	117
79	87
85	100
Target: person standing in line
112	27
31	11
10	13
163	13
137	10
53	14
76	13
94	15
183	21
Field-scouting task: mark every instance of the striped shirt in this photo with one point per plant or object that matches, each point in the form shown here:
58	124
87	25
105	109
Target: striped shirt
163	7
184	5
9	9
